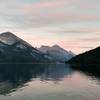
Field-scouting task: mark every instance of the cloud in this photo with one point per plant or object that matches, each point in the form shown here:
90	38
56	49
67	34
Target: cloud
43	5
91	39
80	19
44	13
77	31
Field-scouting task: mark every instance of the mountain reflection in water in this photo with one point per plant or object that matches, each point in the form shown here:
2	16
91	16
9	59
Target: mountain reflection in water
13	76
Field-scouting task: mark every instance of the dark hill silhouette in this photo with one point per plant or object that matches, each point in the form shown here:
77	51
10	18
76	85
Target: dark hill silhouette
89	57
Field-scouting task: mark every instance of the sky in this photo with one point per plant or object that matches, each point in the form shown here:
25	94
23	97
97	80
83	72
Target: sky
72	24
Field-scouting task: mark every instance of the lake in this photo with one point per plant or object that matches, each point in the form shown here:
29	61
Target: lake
48	82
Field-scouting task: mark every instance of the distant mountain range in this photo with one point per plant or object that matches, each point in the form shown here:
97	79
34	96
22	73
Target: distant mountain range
15	50
56	53
90	57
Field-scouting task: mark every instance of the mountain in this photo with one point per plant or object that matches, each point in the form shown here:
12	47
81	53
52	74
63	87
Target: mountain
90	57
15	50
56	53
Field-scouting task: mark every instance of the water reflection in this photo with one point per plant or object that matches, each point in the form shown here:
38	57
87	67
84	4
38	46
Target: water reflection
14	76
92	71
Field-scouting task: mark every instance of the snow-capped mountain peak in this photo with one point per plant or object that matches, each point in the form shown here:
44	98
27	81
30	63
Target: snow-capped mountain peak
14	49
8	38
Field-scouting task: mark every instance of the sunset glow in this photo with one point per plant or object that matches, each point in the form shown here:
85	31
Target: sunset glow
72	24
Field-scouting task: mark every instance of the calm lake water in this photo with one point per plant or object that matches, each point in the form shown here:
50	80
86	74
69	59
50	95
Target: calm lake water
48	82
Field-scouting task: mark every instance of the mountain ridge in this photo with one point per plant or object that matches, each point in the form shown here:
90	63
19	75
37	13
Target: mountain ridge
14	49
56	52
89	57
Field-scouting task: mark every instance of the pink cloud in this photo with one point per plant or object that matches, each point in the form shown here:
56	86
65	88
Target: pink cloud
90	39
66	31
74	17
92	5
76	46
44	4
